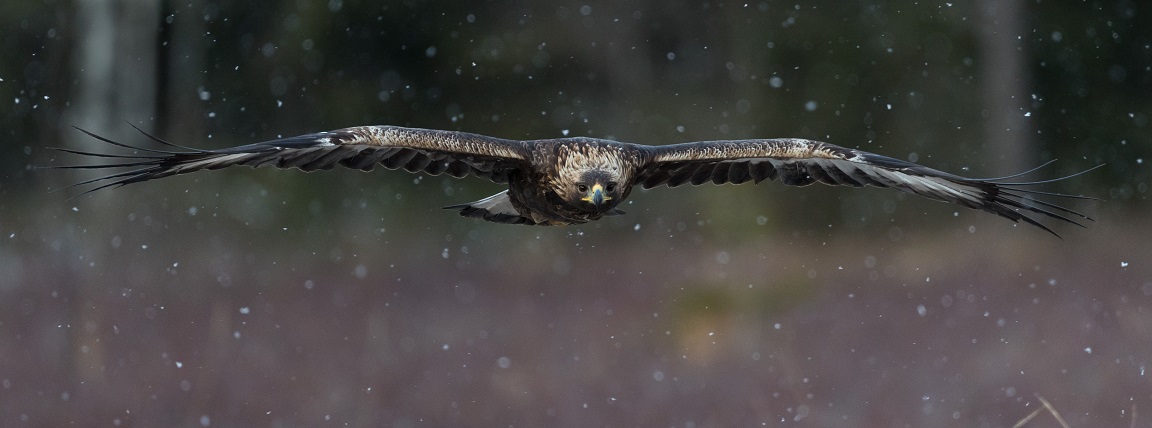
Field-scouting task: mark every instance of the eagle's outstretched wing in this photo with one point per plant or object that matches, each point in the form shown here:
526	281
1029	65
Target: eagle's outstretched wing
801	162
434	152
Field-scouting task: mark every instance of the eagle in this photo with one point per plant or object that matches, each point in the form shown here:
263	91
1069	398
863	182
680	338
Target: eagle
575	180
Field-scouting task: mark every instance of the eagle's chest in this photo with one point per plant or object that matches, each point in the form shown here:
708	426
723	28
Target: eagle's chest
532	195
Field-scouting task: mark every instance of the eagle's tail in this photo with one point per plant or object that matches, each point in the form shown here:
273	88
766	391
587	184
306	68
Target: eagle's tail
497	208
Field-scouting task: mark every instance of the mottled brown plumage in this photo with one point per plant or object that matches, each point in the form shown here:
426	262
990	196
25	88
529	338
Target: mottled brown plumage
576	180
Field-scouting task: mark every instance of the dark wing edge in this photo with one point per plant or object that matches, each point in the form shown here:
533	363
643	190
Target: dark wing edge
432	152
801	162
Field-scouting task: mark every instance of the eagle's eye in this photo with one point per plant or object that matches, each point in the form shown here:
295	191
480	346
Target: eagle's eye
611	187
583	188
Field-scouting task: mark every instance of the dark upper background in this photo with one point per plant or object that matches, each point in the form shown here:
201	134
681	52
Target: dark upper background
261	297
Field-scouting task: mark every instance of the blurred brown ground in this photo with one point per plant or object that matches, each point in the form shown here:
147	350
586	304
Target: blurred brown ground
573	326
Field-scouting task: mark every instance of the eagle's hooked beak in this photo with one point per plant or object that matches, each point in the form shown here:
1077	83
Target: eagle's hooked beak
596	195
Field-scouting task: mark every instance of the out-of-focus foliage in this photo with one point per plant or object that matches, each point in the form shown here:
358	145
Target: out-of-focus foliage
904	80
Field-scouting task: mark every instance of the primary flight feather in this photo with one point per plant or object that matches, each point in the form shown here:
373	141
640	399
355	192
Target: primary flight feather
565	181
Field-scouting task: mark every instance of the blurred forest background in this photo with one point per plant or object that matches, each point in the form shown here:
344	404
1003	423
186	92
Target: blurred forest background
277	298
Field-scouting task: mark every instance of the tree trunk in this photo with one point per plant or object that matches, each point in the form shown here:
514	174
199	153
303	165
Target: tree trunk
1005	80
115	68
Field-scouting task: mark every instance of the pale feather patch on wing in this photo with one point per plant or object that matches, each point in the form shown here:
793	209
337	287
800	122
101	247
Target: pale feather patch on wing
780	148
442	141
934	187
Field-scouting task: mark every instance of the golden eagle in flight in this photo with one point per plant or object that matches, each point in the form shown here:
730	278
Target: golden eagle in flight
566	181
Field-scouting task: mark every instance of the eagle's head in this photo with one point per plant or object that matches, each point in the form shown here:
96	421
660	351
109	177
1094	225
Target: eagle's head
594	181
595	190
